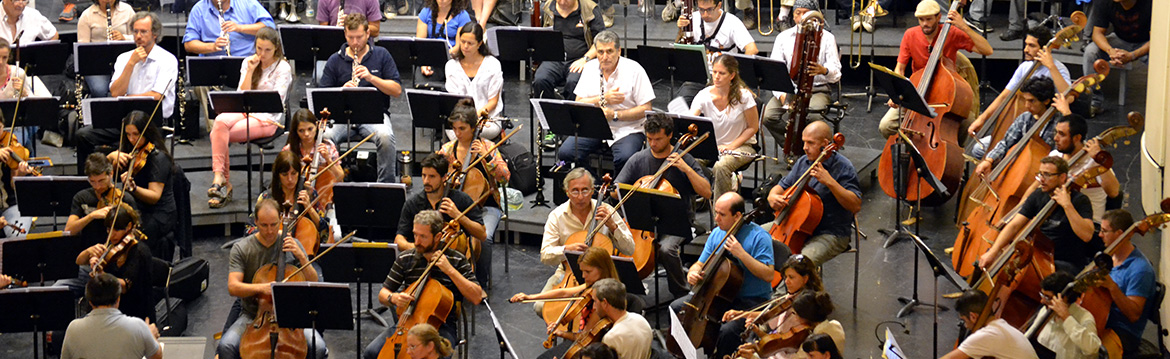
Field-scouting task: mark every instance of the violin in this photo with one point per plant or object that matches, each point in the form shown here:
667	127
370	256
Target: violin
796	222
112	197
117	253
323	180
589	334
139	156
19	153
13	282
590	331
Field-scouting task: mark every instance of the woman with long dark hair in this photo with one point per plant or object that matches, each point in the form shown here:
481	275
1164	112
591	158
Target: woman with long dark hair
731	106
473	71
145	168
440	19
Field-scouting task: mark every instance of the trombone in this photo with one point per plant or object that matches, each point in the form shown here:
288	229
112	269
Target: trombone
855	37
760	18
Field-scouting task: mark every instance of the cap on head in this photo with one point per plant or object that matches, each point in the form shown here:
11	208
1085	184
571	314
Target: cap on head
927	8
806	4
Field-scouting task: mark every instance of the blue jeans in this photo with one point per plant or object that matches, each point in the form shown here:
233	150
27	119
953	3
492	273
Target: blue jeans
99	85
383	138
1093	52
447	331
229	344
553	74
577	150
483	266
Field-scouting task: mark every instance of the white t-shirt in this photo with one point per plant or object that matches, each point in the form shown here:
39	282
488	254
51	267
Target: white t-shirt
1095	192
1041	71
733	34
488	82
729	122
277	76
785	46
998	339
34	25
630	78
156	73
630	336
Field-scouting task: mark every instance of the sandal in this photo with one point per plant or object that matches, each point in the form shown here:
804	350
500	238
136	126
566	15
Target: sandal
222	200
216	191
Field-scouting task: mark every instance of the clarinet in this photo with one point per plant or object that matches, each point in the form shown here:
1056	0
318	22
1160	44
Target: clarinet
228	49
353	70
340	12
109	25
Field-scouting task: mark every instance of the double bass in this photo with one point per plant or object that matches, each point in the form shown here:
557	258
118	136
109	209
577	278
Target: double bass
808	42
937	138
797	221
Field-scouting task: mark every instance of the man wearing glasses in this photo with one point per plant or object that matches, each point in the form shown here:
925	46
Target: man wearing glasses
29	24
1069	226
575	216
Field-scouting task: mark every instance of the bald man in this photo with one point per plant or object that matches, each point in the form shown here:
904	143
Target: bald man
835	181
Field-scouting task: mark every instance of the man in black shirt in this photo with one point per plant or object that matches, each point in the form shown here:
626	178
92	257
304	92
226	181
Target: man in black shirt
451	269
1069	226
1129	41
133	269
577	21
85	216
450	202
686	177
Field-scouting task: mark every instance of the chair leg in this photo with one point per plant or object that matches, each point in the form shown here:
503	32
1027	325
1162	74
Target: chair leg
856	258
249	161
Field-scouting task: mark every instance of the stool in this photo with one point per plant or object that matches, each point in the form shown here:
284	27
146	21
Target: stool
1122	75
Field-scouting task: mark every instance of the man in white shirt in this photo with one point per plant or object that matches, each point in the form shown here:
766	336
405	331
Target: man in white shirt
148	70
718	32
26	21
107	333
622	89
1071	332
827	70
630	335
995	339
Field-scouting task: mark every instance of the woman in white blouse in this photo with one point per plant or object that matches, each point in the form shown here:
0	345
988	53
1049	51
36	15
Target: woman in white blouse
13	77
731	106
265	70
474	72
91	27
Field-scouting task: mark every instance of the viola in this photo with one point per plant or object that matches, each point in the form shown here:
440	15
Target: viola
117	253
323	180
796	222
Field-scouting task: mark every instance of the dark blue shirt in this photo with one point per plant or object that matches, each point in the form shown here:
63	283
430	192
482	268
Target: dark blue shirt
339	69
836	220
1135	277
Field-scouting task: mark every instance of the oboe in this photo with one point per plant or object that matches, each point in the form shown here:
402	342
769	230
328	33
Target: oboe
109	24
353	70
340	12
228	49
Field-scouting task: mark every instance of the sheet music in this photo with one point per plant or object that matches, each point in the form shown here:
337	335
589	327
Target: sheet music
680	337
85	105
539	112
891	350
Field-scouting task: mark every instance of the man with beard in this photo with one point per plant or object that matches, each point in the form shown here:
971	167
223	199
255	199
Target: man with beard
1037	94
448	201
1069	138
1035	51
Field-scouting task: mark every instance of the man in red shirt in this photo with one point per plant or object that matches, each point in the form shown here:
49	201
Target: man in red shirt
917	43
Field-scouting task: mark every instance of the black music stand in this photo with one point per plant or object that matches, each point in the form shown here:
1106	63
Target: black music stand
531	44
627	272
313	305
706	150
429	109
410	52
35	111
99	56
671	64
43	57
352	105
48	196
370	206
223	71
247	102
44	259
36	310
361	263
940	271
572	118
306	44
505	344
764	73
660	212
108	112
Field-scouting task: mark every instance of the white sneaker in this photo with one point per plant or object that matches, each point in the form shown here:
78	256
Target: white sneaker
670	12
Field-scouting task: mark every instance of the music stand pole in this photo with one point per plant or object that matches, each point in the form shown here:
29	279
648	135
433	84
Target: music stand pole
913	301
662	209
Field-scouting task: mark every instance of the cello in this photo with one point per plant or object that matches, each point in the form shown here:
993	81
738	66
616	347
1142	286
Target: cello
322	180
264	338
796	222
936	138
456	179
554	311
716	290
1004	187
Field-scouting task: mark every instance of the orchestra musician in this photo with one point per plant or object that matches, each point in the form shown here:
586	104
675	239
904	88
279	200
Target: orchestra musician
1035	50
631	334
996	339
91	27
1069	137
1131	283
423	342
92	205
454	273
305	125
1037	94
821	346
247	256
148	169
374	68
1130	40
435	195
751	247
132	269
1070	227
267	69
799	274
595	264
107	333
599	351
573	216
826	70
148	70
915	50
286	174
223	27
440	19
685	176
731	106
463	121
718	32
329	13
473	71
578	21
22	20
1072	331
17	84
809	314
835	181
622	89
9	209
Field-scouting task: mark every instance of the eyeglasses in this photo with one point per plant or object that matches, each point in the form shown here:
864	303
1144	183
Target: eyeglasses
20	1
704	10
578	192
1045	296
1043	174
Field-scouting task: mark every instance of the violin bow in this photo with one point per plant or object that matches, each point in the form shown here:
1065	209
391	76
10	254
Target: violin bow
659	173
319	255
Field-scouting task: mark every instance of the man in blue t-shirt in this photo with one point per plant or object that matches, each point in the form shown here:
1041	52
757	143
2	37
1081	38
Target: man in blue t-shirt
1130	284
751	250
835	181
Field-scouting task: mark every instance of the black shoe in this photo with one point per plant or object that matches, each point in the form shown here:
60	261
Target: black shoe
978	26
749	19
1011	35
1095	110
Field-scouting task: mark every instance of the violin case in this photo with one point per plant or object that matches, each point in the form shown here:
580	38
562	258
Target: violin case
188	278
172	317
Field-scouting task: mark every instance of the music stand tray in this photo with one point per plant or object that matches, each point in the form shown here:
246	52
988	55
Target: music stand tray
44	57
901	90
522	43
409	52
706	150
371	205
627	271
429	109
42	260
214	71
673	63
306	43
658	211
108	112
99	56
351	105
764	73
48	195
250	101
572	118
37	309
314	305
34	111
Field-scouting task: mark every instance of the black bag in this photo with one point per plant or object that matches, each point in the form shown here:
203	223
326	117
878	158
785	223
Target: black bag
522	166
189	278
172	321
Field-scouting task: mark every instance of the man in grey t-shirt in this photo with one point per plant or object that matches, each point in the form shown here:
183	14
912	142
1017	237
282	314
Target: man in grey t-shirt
107	333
